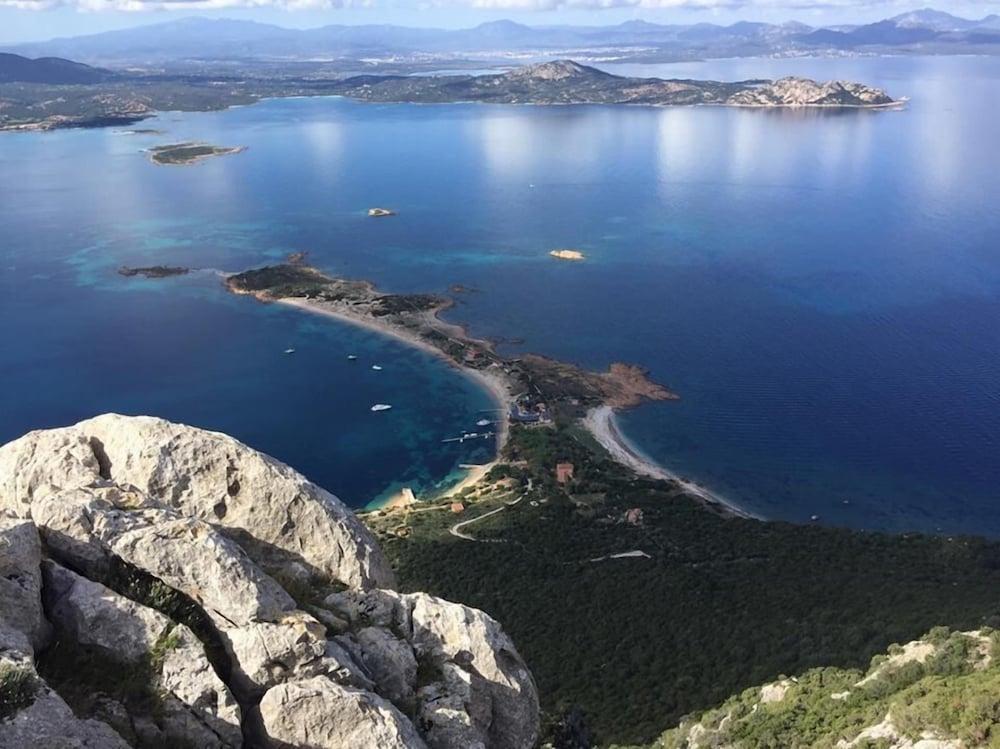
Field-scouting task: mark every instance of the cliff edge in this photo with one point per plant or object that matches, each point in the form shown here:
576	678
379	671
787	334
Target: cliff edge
162	585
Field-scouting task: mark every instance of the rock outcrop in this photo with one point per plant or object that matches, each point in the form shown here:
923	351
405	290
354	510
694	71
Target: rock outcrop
21	579
271	510
140	605
321	714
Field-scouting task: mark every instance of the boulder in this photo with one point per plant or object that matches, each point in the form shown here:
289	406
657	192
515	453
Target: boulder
293	648
192	557
320	714
454	710
499	700
273	511
43	461
391	663
197	707
85	526
21	579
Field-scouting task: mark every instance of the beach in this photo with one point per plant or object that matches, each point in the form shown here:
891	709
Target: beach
601	423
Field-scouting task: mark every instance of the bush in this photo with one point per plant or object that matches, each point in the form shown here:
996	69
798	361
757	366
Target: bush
18	686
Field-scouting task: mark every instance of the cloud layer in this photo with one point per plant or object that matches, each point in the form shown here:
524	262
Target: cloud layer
496	5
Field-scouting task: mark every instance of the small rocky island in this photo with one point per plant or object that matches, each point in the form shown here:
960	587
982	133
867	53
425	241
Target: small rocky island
567	254
568	82
184	154
153	271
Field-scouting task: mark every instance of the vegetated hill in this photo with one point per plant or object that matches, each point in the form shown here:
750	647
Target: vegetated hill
568	82
633	642
18	69
942	690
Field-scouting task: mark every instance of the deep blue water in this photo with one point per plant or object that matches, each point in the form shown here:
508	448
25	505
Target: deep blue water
821	288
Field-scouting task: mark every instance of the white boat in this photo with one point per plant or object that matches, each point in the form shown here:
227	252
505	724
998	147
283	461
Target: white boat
289	351
376	367
381	407
352	357
483	423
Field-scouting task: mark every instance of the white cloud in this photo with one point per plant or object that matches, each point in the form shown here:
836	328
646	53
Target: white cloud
131	6
493	5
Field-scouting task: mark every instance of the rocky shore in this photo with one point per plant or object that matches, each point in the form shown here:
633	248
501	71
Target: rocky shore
168	586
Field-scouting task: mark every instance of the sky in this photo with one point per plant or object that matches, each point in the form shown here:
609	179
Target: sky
31	20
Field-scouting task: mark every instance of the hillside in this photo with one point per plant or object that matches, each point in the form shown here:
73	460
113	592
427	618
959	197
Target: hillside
18	69
568	82
635	606
939	692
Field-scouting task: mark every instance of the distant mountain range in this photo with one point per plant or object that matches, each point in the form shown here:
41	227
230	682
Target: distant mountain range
199	39
18	69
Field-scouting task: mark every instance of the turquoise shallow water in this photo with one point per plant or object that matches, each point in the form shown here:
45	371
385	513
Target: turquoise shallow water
820	287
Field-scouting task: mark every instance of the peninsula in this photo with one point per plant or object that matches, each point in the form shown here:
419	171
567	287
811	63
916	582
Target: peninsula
532	389
568	82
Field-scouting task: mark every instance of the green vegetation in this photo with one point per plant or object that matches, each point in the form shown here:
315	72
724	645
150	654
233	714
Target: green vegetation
954	692
724	603
85	677
18	686
180	154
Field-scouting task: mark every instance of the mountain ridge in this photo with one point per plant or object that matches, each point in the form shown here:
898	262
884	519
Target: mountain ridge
199	38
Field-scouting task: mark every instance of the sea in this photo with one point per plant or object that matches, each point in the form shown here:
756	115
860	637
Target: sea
821	287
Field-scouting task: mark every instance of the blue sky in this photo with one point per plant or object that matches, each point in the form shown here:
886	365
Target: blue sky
27	20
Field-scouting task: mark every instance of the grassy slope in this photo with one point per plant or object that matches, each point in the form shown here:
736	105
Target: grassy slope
723	603
953	694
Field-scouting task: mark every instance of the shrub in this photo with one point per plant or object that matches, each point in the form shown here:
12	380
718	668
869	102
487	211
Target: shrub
18	686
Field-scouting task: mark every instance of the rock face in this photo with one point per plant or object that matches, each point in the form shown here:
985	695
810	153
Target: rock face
481	694
197	707
272	511
802	92
320	714
21	579
153	552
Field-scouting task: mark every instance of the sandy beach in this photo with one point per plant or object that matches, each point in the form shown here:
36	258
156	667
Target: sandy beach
493	382
601	423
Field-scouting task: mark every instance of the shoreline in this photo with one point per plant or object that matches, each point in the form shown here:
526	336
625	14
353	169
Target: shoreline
494	385
543	386
601	423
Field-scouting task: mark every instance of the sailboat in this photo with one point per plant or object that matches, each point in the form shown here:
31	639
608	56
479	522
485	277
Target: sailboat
381	407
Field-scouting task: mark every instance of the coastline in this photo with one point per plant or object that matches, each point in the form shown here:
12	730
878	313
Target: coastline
492	383
601	423
540	389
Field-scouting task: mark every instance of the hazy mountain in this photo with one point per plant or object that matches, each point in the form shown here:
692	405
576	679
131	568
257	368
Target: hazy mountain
18	69
193	39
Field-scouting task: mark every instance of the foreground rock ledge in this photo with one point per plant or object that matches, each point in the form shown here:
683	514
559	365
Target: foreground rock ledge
169	586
